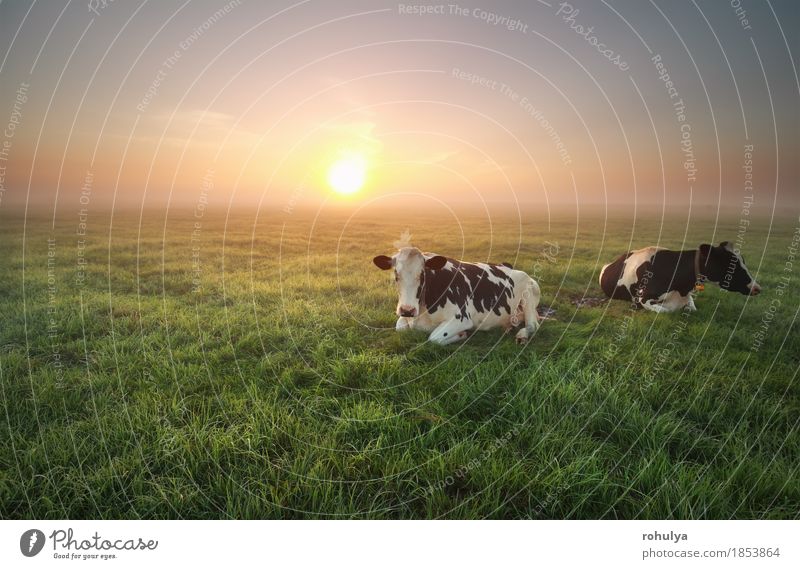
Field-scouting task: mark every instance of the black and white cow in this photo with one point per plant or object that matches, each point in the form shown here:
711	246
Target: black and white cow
451	298
663	281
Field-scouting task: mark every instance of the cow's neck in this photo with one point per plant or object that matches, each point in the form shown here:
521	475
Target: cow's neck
701	268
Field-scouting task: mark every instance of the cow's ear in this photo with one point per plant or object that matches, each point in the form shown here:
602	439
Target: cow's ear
383	262
436	262
726	245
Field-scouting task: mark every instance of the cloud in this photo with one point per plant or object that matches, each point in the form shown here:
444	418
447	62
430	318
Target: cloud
196	127
198	118
354	136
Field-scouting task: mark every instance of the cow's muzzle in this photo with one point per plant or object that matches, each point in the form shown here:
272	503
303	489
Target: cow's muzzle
406	311
755	289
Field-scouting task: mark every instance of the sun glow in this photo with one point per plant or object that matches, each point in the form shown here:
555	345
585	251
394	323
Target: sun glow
347	175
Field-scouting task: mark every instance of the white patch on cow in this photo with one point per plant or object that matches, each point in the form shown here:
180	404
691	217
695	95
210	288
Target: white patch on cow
670	302
531	295
674	300
633	262
408	266
450	331
603	270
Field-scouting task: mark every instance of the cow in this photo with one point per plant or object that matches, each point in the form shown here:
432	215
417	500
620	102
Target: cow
663	281
451	298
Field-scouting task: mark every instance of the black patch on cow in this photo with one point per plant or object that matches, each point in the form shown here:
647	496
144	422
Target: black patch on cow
509	265
460	282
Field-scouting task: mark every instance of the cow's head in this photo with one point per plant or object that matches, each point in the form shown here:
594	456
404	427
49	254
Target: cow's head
409	266
725	266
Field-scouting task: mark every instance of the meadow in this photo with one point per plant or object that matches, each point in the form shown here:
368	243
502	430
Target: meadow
249	368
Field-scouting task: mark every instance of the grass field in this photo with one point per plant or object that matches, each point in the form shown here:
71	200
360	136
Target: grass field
233	370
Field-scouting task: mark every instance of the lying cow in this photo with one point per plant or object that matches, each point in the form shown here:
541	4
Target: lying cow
450	298
662	280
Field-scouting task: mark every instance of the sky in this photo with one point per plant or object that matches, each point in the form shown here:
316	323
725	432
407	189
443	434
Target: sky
239	104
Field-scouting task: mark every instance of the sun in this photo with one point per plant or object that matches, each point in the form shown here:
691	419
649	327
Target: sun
347	175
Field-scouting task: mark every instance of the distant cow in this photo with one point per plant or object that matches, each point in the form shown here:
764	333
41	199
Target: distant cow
450	298
662	280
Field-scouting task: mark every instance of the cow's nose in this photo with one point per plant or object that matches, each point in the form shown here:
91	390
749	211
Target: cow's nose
407	311
755	290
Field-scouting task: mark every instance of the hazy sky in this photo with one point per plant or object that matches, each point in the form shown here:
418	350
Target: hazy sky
241	103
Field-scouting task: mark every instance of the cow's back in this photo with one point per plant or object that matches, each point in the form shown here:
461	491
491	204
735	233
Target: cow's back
475	290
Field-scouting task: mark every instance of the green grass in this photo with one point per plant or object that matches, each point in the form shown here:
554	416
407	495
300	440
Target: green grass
280	389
